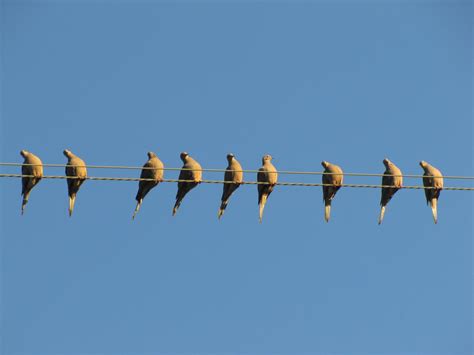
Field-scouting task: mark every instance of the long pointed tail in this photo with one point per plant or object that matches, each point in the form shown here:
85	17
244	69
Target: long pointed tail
382	213
176	206
139	203
327	211
25	201
261	207
434	209
72	199
221	209
23	205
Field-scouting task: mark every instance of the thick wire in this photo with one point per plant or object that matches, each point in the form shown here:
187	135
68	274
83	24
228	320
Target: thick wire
283	172
453	188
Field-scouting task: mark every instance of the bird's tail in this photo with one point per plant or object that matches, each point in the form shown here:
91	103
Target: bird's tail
176	206
25	201
327	210
382	213
139	203
72	199
261	206
434	209
221	209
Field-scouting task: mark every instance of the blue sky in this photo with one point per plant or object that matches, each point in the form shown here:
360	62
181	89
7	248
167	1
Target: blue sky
347	82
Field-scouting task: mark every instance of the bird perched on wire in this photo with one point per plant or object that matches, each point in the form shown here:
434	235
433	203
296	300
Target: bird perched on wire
332	180
77	172
35	170
268	176
152	169
392	177
192	171
433	179
234	174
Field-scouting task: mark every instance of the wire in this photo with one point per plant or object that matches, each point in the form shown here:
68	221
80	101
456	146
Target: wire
454	188
285	172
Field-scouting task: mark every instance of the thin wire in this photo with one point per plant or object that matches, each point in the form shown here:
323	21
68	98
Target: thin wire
285	172
454	188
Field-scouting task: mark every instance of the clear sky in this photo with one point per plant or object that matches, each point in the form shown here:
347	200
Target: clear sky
350	82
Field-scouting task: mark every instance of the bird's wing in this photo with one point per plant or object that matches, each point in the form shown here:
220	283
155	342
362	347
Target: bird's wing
428	182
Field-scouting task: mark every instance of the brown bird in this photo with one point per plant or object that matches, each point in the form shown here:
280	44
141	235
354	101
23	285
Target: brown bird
195	174
432	178
152	169
235	174
76	169
27	183
269	175
392	177
333	175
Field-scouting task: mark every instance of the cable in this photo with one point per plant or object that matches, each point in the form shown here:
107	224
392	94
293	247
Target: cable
454	188
282	172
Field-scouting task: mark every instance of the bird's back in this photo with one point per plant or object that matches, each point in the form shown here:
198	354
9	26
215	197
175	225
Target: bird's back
153	163
432	178
334	177
398	178
438	178
390	180
196	172
235	174
76	167
36	170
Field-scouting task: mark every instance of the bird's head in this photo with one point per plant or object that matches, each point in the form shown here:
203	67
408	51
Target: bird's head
67	153
183	156
230	156
24	153
387	162
151	155
266	158
325	164
423	164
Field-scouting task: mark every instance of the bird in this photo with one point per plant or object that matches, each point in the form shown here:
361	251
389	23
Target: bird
332	175
233	173
266	174
76	170
392	177
152	169
433	179
191	170
28	182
